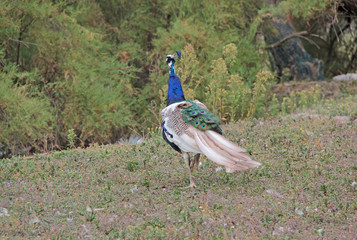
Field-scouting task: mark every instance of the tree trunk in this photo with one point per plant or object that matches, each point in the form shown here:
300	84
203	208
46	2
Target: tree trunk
288	52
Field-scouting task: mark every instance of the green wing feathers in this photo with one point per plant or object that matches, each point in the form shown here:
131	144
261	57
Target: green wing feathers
200	118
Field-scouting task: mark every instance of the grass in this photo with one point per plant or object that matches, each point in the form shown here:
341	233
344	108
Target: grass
305	189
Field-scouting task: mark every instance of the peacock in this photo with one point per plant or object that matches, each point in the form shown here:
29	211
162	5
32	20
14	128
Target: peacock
189	127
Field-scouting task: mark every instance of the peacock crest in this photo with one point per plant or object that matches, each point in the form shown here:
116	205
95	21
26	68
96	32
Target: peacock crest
199	118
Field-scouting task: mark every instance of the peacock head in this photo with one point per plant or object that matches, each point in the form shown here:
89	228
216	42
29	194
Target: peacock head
170	60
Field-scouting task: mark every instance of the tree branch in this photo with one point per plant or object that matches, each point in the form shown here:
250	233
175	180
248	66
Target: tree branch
298	34
24	42
354	56
310	41
22	30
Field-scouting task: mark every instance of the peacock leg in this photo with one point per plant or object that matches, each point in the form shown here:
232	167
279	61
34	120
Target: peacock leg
187	160
196	161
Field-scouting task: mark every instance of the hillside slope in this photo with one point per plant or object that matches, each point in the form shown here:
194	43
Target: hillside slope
305	188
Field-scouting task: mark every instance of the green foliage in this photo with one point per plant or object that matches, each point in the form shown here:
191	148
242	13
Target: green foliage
97	66
300	99
303	9
240	100
71	137
67	71
25	115
260	96
274	106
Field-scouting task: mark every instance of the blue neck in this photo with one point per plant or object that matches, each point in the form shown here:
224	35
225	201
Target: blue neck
175	93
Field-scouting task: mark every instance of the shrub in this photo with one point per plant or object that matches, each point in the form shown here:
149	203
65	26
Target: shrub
25	117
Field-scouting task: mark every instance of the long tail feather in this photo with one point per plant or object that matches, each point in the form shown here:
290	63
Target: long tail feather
225	141
224	152
210	152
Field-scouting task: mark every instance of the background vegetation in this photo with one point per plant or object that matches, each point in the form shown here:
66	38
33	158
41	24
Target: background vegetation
79	72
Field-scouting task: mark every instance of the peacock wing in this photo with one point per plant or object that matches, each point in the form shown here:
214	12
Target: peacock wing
197	115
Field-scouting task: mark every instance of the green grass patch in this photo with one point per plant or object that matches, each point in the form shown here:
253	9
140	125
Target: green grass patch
305	189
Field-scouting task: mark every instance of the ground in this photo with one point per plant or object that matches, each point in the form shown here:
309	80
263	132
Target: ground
305	189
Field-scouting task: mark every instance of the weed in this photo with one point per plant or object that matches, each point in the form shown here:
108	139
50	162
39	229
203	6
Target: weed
132	166
71	138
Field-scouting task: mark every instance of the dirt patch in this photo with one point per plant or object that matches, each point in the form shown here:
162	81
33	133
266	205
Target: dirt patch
330	89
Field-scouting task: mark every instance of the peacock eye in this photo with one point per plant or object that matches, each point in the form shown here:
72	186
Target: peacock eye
203	125
196	122
202	111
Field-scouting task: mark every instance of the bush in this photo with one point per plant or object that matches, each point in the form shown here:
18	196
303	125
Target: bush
67	75
25	118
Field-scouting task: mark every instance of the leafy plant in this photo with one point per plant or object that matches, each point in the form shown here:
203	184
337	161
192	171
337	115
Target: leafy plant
71	137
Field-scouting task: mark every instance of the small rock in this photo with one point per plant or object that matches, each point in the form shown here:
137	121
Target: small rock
304	115
88	209
7	184
299	212
266	146
135	139
4	212
128	205
86	228
320	232
219	169
98	209
112	218
274	192
345	77
70	217
134	189
311	134
34	220
341	119
278	231
353	184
